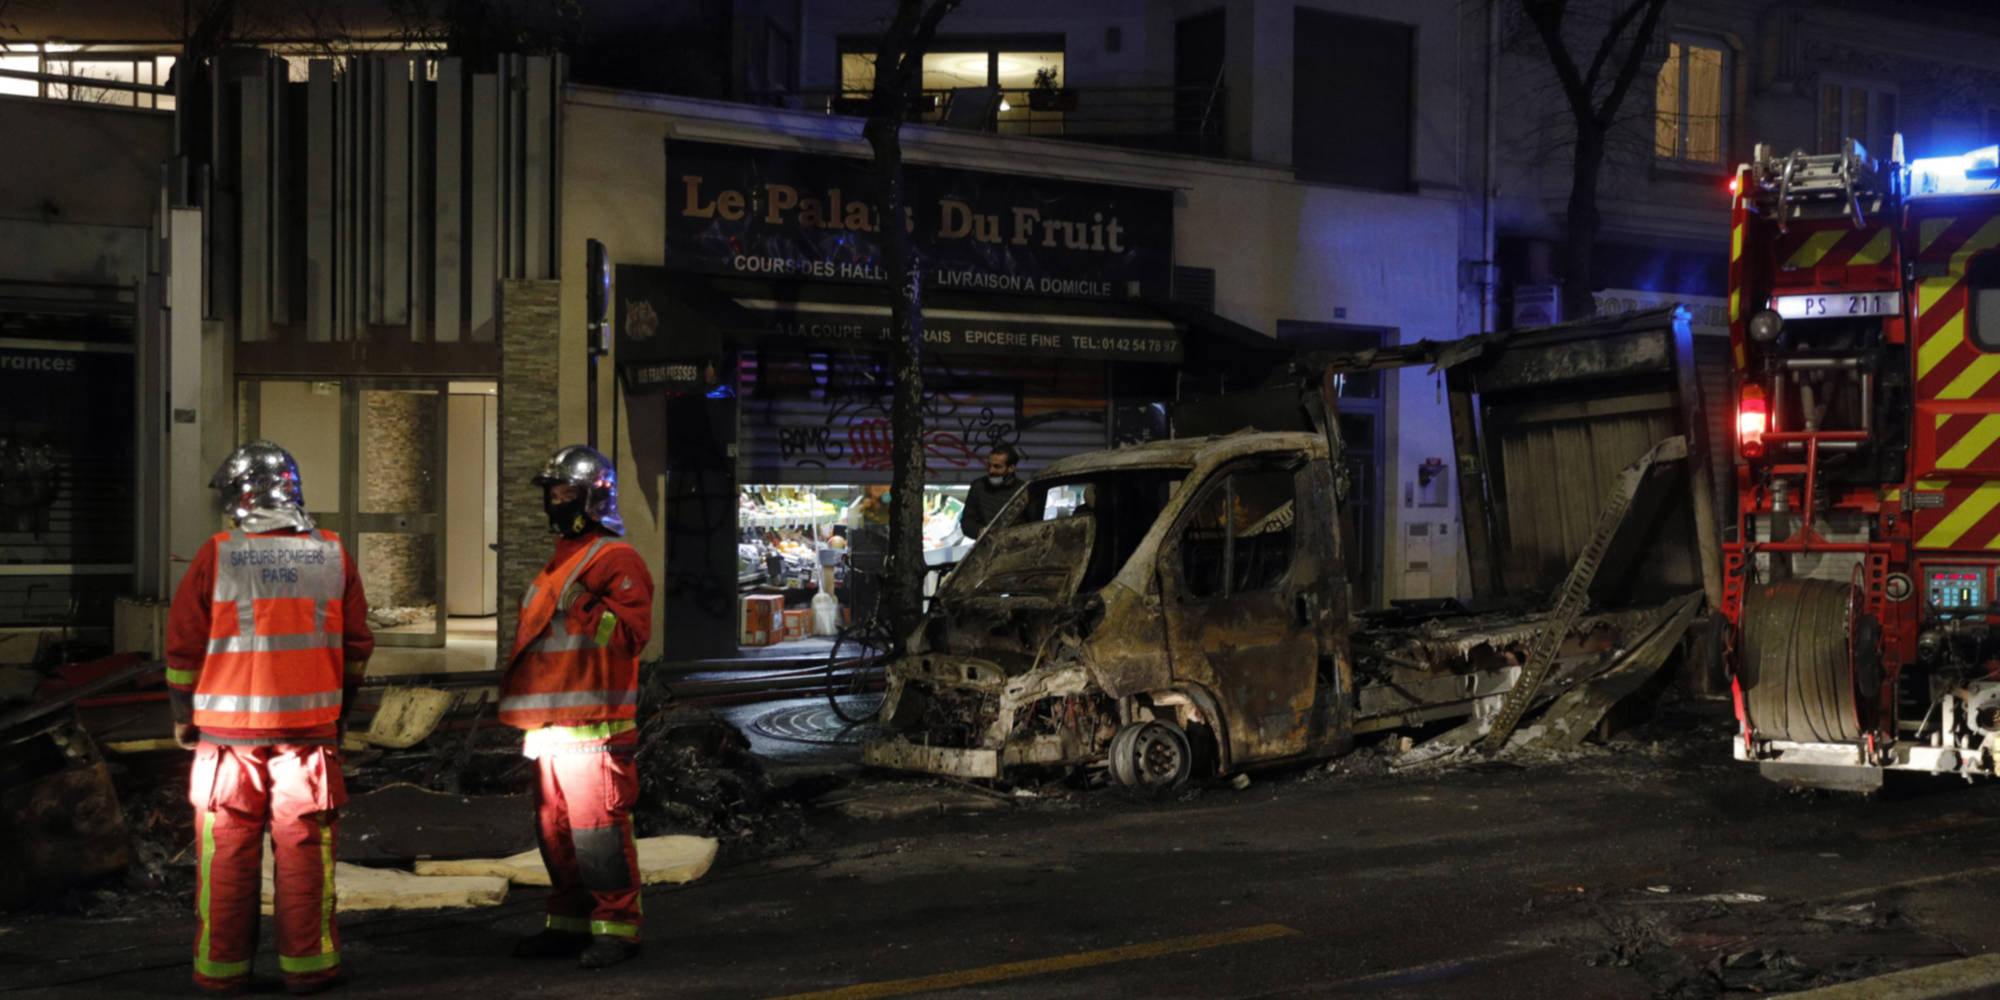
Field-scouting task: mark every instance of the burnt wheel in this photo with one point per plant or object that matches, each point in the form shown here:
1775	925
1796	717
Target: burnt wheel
1797	669
1152	756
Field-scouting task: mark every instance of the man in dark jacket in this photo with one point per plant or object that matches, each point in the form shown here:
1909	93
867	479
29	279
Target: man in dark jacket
990	493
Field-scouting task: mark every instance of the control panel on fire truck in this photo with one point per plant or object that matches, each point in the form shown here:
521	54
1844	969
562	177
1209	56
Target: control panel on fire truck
1956	590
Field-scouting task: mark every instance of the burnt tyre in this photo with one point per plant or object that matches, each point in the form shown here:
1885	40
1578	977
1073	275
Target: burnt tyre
1154	757
1797	661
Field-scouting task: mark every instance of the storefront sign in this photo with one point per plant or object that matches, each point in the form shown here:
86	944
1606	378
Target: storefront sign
665	343
675	332
774	214
949	331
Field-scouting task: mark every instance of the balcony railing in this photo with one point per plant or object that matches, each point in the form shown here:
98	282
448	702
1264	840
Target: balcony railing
1166	119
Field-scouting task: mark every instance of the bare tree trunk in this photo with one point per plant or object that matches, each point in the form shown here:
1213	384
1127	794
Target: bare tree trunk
898	73
1581	223
904	586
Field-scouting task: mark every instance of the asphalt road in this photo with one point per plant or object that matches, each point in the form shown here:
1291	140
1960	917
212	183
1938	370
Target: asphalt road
1652	870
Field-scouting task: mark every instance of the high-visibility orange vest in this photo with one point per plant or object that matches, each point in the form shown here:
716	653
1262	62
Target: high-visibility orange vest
558	678
275	633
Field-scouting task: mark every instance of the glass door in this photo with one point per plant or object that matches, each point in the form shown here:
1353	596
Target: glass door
303	417
371	456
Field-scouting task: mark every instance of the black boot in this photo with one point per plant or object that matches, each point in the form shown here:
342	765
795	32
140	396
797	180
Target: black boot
606	951
551	943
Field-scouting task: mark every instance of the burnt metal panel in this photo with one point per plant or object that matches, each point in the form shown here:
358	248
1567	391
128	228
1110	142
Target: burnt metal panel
1718	393
1526	364
1553	479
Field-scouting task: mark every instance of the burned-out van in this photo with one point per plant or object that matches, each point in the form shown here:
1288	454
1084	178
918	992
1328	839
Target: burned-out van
1175	608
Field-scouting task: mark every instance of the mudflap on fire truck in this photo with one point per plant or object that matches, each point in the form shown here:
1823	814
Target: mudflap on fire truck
1859	585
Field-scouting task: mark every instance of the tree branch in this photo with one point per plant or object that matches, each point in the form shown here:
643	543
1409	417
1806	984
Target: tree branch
1610	42
1633	59
1547	16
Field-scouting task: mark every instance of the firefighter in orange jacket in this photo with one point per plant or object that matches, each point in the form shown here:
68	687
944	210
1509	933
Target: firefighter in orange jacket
267	640
572	684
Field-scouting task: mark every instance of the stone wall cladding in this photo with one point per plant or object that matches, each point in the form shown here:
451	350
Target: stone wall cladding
530	335
400	466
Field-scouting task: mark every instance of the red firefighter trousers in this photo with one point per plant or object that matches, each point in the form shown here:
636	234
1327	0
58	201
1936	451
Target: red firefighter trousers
583	809
236	791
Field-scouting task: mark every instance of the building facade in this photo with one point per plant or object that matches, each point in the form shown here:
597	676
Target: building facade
380	258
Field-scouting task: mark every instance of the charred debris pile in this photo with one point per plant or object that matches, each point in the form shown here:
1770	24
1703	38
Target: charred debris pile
101	823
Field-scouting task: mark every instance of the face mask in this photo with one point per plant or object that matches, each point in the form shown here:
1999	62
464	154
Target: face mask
996	480
566	519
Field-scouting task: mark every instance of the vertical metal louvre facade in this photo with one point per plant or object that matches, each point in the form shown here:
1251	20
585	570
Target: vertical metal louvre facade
380	197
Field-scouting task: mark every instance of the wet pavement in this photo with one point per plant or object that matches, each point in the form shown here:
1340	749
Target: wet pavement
1655	868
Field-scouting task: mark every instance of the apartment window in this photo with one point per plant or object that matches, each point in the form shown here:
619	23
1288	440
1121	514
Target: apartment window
136	68
1691	101
781	60
1353	99
1865	112
113	64
15	86
1006	67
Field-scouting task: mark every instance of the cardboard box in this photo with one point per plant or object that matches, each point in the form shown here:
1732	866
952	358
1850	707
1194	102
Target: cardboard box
798	623
763	619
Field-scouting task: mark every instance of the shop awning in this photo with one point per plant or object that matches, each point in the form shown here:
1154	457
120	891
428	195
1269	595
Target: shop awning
686	316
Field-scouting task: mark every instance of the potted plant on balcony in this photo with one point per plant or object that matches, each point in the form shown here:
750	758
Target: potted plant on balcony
1046	96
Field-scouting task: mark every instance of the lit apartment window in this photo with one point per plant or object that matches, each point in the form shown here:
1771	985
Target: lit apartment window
112	67
15	86
1861	111
1691	102
957	69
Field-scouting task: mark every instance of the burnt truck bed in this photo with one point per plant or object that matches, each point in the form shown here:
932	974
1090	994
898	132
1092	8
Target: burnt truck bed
1407	675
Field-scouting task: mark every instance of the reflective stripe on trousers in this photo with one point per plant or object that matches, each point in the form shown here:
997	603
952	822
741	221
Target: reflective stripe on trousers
236	791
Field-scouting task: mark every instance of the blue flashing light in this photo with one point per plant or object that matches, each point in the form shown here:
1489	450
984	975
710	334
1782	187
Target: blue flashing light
1978	170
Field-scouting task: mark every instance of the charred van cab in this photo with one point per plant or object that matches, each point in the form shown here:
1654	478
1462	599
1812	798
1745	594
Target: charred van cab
1172	606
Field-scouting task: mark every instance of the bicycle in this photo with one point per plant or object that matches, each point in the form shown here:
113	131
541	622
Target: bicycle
857	654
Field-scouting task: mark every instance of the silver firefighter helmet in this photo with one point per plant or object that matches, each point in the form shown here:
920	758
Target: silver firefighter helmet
586	468
258	486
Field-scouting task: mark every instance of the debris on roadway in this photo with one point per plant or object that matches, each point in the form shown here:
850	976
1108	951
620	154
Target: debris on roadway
668	859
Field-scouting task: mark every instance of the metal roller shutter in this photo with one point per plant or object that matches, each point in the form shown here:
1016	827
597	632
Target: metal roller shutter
823	418
66	459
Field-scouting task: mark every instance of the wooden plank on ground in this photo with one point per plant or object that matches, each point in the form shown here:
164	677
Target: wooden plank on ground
670	859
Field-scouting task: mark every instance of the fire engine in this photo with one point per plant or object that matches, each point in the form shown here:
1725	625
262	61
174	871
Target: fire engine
1859	586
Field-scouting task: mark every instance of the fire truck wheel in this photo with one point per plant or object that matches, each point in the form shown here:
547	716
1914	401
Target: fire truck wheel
1798	683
